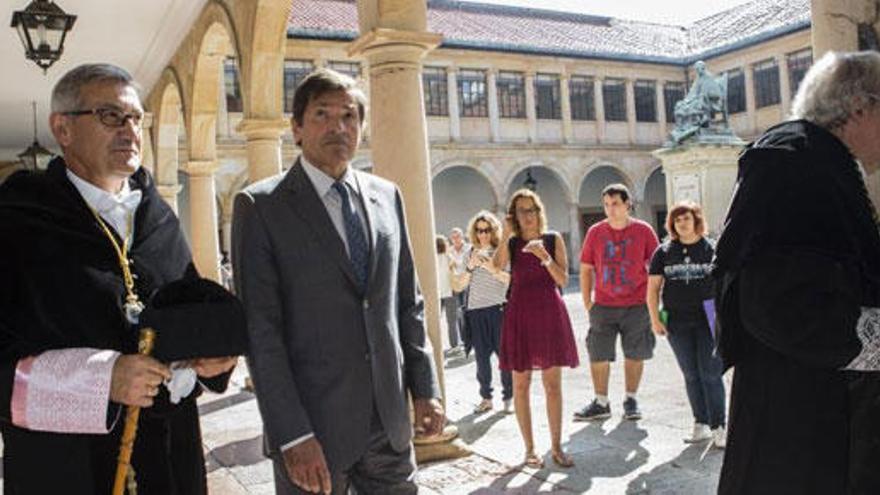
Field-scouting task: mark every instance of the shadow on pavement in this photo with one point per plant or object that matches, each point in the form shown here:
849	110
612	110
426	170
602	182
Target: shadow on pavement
241	453
695	461
458	360
473	426
225	402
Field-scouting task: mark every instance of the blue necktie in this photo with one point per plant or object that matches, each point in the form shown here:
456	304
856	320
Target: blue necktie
358	250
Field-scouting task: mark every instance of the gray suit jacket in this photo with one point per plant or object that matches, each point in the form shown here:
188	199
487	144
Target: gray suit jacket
322	355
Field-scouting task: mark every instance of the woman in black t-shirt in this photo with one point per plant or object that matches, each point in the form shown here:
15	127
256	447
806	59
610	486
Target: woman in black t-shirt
680	267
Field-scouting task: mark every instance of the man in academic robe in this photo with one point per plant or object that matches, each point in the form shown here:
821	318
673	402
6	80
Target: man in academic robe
85	245
798	270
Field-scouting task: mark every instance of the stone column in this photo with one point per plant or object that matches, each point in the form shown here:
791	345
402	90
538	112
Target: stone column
263	146
661	110
784	86
222	110
492	89
576	236
751	108
169	193
833	27
631	110
565	97
531	111
147	157
452	97
599	103
226	229
203	217
398	109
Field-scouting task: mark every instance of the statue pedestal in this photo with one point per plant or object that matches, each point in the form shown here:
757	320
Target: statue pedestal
445	446
704	173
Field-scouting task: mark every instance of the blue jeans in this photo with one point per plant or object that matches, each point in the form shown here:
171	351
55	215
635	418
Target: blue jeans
485	325
694	350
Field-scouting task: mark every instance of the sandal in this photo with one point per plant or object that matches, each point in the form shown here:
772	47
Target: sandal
561	459
533	461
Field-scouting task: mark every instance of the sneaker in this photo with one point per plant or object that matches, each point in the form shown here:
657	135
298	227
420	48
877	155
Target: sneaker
701	433
484	406
719	437
631	409
593	411
508	406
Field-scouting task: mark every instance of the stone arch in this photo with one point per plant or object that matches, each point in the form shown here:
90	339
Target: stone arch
589	202
625	178
263	33
517	175
596	178
654	200
167	127
214	43
459	192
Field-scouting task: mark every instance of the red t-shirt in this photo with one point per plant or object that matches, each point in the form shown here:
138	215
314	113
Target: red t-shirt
620	259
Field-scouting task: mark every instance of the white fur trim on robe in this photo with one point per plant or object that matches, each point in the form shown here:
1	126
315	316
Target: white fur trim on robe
63	391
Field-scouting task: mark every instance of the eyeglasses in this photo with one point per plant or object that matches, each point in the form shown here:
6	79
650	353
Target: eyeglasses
484	231
111	117
527	211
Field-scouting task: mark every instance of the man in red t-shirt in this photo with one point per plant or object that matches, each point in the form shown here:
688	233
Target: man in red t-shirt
614	263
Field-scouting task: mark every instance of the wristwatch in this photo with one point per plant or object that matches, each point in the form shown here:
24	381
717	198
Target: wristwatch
547	261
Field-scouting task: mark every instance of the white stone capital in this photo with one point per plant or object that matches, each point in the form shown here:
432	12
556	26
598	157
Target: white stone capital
261	129
169	190
383	46
199	167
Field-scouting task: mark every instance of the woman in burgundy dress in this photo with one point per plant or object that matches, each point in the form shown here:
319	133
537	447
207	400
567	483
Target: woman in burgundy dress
536	334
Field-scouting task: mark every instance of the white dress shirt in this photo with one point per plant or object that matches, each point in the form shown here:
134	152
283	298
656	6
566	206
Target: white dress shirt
116	209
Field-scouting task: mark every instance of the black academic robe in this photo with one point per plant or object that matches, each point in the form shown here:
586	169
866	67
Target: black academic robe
61	287
798	256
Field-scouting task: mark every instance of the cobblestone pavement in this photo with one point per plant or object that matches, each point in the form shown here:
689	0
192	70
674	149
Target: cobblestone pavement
612	457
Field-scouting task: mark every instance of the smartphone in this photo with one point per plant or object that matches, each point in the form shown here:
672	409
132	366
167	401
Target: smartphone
530	244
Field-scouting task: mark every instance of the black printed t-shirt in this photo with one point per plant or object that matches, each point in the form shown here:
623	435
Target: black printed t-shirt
685	269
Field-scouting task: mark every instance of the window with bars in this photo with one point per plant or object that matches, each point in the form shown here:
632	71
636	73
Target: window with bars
350	69
673	92
766	75
294	72
614	100
232	86
581	97
798	64
472	93
435	89
645	93
736	91
511	95
547	99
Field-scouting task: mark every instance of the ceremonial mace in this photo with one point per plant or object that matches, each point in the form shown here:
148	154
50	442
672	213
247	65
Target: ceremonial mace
126	445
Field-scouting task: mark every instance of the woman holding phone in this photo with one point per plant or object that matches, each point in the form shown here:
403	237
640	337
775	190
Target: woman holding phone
485	306
537	332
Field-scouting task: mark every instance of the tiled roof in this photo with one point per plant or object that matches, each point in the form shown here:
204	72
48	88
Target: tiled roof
517	29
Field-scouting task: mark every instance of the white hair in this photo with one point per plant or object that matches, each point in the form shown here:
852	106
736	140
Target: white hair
838	84
66	94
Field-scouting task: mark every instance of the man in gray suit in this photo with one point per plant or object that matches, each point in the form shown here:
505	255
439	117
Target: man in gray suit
323	264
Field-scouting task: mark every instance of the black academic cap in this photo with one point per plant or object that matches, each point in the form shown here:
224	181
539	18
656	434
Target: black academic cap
195	318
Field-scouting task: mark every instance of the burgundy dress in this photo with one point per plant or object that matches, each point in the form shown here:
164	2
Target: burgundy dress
536	333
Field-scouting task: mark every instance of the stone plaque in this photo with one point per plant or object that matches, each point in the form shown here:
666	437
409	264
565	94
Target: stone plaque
686	187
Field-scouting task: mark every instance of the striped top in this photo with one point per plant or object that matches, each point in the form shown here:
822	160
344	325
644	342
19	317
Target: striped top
485	290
